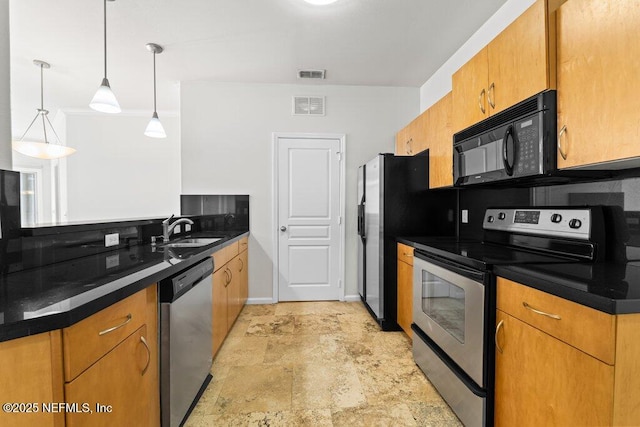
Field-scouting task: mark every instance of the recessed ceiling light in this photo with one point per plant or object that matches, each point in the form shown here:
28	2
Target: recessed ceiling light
320	2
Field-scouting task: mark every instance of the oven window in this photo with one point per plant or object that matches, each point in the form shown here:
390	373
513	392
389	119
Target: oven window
443	302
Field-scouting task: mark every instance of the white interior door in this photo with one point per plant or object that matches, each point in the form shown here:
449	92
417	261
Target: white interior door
309	243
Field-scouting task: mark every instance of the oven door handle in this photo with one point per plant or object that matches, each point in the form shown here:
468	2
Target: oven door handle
508	168
471	273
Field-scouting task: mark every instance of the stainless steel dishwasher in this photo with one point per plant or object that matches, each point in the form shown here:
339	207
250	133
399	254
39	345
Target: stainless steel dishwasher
185	341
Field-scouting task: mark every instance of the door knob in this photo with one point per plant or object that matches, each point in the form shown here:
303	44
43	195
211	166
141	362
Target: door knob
283	228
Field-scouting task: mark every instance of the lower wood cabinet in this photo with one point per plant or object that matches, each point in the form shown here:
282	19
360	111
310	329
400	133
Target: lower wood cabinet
31	373
230	288
405	288
549	362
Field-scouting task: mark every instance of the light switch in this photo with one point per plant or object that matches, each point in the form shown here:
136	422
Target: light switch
465	216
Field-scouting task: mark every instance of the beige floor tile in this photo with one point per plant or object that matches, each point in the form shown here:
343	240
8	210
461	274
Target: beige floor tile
255	389
395	415
326	385
251	310
241	351
316	324
389	380
305	418
265	326
378	345
210	395
317	307
433	414
309	349
239	328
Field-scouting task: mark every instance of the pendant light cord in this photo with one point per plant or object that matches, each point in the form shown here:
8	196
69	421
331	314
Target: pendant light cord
154	83
41	86
105	39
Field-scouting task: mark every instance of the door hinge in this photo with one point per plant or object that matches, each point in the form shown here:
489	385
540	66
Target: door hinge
339	155
340	220
339	284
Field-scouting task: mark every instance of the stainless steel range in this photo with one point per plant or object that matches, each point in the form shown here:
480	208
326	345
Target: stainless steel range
454	294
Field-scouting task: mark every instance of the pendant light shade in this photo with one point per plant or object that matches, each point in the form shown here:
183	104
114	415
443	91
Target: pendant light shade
155	128
104	100
41	149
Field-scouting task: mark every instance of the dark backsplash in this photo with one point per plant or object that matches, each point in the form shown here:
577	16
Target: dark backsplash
224	212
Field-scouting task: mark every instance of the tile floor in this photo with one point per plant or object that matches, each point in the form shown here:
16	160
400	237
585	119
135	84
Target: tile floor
317	364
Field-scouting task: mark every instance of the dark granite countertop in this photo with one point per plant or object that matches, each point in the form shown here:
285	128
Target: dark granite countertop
58	295
613	288
608	287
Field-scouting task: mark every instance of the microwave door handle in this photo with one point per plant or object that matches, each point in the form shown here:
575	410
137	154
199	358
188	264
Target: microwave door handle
508	168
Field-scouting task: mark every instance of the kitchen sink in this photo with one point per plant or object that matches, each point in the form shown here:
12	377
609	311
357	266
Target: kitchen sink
191	243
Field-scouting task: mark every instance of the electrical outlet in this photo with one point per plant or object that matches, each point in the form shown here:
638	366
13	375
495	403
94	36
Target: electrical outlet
187	227
111	240
176	230
465	216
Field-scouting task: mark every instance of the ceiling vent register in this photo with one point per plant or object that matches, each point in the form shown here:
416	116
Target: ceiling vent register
308	105
312	74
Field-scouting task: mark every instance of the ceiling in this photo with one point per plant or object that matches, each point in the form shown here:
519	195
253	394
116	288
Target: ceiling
358	42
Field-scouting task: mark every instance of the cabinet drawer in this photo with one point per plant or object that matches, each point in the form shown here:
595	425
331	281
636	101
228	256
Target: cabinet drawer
90	339
589	330
243	244
405	253
224	255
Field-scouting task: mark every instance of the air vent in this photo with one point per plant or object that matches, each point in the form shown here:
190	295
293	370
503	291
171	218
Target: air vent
311	74
308	105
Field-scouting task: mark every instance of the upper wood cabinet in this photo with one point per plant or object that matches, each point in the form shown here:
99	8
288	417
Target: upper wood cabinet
598	68
410	140
515	65
439	141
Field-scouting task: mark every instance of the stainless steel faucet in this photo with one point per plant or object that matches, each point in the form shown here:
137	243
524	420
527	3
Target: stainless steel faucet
167	227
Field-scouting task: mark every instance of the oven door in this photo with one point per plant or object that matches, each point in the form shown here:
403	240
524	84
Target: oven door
449	307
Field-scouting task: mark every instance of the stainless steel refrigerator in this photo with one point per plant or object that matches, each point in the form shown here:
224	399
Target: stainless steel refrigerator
394	200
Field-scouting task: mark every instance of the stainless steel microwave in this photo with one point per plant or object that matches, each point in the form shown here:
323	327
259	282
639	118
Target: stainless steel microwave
518	143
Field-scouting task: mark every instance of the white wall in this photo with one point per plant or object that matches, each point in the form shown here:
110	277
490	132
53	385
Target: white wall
117	172
5	88
227	149
439	84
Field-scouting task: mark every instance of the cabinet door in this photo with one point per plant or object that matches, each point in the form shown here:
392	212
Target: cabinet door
518	59
220	279
243	261
598	69
470	92
233	292
541	381
402	148
31	373
405	297
440	142
121	380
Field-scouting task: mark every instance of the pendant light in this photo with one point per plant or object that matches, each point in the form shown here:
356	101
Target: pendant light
104	100
154	128
42	150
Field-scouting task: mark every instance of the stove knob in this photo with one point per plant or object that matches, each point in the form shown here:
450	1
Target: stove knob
575	223
556	218
490	218
501	216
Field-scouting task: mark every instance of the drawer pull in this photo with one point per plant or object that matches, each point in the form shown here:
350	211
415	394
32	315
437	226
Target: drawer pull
500	325
241	264
106	331
528	307
144	341
228	279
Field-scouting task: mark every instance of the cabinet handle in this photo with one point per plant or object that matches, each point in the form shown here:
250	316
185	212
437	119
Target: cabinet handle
528	307
491	89
106	331
241	264
500	325
144	341
230	274
562	131
226	273
409	149
480	101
